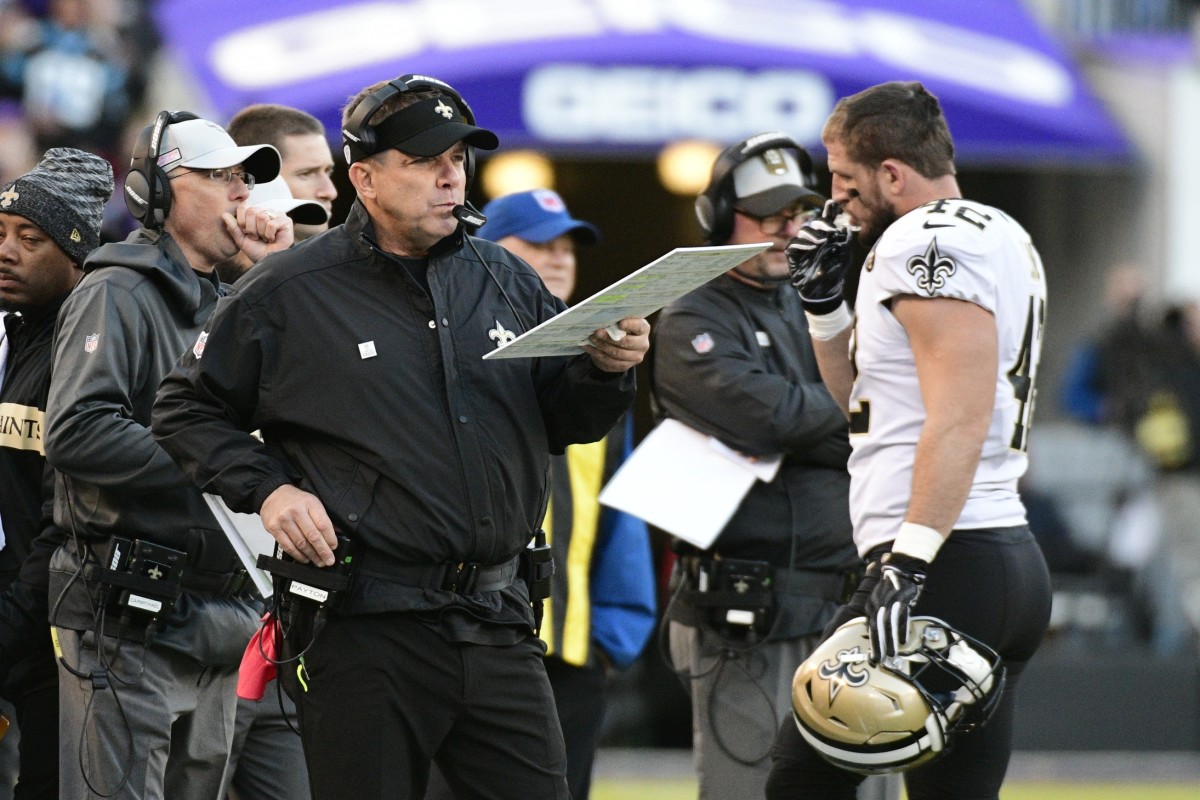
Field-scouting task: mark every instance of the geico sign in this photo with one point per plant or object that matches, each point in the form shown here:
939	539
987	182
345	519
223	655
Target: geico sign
305	45
648	104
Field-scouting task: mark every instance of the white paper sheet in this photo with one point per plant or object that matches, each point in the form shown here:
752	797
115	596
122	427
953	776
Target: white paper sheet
636	295
249	539
684	482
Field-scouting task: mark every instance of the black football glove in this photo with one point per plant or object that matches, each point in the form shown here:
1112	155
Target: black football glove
890	602
818	259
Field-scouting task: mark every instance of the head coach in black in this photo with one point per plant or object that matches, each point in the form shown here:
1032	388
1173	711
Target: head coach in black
358	354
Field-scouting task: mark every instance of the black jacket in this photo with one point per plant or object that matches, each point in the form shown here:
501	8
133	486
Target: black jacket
26	486
373	395
26	497
736	362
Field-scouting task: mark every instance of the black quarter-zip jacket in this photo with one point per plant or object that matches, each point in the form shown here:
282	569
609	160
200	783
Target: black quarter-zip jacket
374	395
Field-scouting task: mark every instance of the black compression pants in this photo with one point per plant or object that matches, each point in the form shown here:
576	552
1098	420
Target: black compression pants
990	584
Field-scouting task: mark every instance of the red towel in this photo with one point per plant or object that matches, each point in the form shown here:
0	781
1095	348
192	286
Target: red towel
256	672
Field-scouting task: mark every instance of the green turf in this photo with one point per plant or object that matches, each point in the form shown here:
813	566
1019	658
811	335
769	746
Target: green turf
685	789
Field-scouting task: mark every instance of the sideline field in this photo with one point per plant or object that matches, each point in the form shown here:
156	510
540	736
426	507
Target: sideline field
666	775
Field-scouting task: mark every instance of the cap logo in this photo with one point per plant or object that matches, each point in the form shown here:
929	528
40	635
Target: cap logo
169	157
8	198
550	201
773	159
75	237
443	109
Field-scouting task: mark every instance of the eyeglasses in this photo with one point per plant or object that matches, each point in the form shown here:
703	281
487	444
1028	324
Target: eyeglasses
222	175
777	223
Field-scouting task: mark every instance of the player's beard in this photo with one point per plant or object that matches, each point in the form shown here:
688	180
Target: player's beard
879	218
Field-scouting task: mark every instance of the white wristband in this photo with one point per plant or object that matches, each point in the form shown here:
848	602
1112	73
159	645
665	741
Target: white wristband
827	326
917	541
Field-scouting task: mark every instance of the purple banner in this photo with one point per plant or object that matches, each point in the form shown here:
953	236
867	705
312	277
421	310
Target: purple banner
601	75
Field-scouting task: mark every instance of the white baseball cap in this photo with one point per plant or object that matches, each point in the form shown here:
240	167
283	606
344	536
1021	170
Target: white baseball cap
276	196
200	144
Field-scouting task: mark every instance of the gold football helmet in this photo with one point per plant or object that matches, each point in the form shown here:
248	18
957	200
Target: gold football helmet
901	712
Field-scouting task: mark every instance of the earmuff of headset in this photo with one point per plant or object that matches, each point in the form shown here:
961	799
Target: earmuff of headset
147	189
359	139
715	206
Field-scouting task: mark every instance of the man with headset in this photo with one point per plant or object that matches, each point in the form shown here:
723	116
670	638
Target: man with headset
145	595
733	360
425	459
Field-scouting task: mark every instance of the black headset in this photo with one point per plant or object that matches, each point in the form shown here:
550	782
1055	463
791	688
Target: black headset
147	188
715	206
359	139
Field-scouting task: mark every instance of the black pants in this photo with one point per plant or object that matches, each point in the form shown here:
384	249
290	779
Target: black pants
579	695
36	702
992	585
387	695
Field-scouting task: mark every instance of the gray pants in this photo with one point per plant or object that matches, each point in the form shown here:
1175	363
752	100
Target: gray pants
267	760
158	703
740	697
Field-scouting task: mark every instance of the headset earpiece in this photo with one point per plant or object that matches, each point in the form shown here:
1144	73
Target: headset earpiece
715	205
147	188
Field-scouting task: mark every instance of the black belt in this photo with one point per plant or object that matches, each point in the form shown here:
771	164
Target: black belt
806	582
461	577
220	584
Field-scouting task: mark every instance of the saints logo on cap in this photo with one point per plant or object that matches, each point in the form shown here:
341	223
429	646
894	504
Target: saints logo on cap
8	198
443	109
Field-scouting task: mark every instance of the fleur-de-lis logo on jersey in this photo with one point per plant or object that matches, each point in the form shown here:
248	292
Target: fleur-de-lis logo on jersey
931	269
443	109
501	336
847	669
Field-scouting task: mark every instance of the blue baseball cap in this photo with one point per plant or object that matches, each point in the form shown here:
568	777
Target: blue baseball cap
536	216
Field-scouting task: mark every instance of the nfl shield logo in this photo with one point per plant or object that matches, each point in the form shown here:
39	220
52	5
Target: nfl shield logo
703	343
198	348
91	342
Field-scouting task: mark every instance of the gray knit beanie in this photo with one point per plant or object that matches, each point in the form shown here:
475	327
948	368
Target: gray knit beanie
64	195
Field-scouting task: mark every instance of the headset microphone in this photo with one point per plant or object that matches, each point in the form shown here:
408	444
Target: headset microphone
468	215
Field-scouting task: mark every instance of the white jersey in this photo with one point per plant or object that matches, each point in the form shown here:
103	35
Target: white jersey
962	250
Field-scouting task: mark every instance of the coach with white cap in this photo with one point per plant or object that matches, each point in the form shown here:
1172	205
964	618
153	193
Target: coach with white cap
146	595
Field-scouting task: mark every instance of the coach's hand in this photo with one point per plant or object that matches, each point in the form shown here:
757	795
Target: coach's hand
891	601
300	525
818	259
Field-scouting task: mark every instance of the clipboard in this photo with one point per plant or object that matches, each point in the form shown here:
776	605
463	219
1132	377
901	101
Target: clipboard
638	295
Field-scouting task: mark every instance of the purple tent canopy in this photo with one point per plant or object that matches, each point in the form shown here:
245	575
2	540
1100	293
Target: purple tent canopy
607	76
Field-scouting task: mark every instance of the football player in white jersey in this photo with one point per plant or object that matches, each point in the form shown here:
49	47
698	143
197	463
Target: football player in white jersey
935	367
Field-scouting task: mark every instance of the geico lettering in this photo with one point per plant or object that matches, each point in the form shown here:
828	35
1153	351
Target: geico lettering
303	46
648	104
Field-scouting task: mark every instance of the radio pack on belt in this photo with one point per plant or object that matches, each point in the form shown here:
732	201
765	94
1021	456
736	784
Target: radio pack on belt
139	580
319	587
738	595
